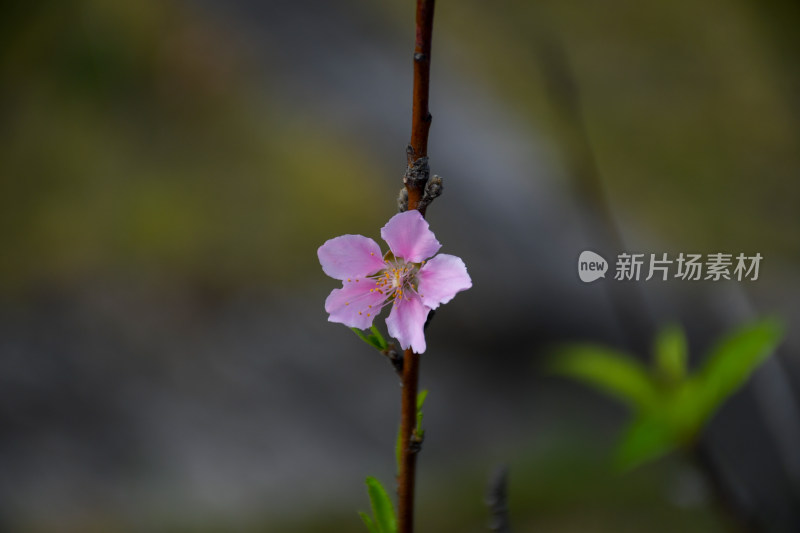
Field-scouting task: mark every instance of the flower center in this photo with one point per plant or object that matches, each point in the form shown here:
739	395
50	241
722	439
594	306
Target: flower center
396	279
394	283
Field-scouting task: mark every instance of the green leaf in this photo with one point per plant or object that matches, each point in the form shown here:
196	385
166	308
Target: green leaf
382	508
646	438
368	522
375	339
608	370
420	402
732	362
421	398
671	354
669	424
376	334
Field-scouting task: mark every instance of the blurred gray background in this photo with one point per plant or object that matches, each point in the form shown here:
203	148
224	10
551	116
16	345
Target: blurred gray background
170	168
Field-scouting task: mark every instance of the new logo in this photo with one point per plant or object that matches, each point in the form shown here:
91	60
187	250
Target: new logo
591	266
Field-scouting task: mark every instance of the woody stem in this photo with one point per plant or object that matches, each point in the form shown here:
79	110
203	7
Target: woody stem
418	147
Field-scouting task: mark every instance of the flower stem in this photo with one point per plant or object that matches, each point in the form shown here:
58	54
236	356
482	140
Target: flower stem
417	148
408	454
420	114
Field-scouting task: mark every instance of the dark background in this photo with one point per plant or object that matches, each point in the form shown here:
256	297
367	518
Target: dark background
168	170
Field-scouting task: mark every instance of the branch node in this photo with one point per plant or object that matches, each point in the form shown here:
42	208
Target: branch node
417	173
419	57
415	443
402	200
433	189
396	358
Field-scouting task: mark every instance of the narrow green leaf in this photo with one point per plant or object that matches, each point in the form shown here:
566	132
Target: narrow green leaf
732	362
361	335
376	334
420	402
671	354
371	340
421	398
646	438
368	522
382	508
608	370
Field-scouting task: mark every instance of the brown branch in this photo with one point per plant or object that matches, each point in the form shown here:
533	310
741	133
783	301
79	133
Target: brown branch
417	150
420	114
408	457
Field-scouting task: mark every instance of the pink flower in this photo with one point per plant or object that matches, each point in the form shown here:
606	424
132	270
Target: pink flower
402	278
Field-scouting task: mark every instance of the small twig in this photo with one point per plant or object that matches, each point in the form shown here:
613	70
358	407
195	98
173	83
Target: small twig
628	301
497	501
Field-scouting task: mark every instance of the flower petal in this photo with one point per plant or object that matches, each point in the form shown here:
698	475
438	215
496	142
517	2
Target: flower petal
409	236
406	323
350	256
441	278
354	305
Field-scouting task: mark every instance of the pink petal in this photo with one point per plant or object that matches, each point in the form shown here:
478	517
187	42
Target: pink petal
350	256
410	237
441	278
350	305
406	323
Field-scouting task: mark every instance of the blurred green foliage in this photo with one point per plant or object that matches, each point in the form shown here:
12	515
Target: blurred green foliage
136	141
670	405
